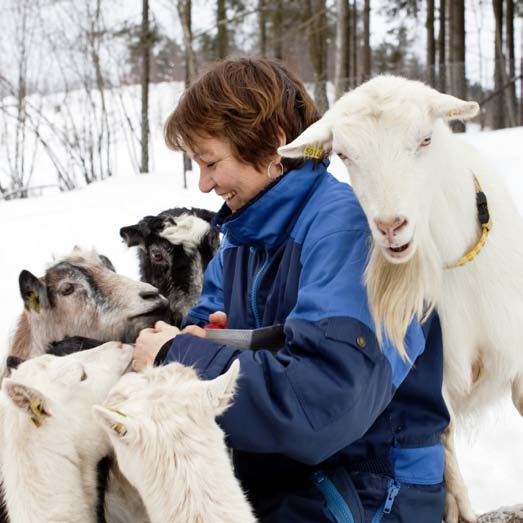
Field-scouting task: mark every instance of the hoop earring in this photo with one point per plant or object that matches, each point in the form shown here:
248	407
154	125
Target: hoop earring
269	170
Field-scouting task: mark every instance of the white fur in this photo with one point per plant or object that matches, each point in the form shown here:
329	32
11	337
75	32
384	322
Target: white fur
188	232
49	471
380	128
171	449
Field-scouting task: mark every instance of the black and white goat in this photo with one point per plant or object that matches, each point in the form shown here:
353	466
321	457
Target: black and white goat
174	249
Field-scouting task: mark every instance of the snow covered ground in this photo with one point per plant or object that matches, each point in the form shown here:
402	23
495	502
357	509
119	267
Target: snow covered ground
34	230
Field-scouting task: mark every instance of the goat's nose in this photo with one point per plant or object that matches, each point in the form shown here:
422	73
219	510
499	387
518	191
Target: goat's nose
149	294
391	226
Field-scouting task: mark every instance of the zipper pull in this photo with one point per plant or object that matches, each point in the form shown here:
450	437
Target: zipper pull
394	488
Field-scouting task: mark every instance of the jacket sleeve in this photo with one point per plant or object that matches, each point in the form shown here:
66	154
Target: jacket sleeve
211	298
329	383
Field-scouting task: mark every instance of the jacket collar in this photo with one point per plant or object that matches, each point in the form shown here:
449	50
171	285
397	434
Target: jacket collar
268	219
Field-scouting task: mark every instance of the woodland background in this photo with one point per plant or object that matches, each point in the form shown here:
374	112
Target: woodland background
79	79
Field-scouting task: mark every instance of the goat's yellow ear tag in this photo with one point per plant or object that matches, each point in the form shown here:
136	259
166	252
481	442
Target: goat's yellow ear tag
36	409
119	429
313	151
34	302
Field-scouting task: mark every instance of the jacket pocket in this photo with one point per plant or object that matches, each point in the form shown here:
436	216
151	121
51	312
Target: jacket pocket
341	501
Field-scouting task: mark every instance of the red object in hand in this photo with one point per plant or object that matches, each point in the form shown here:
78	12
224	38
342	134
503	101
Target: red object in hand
217	325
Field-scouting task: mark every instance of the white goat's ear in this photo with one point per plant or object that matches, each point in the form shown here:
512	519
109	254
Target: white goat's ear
451	108
114	422
29	400
312	142
221	389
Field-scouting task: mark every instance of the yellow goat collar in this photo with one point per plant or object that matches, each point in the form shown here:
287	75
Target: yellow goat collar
486	224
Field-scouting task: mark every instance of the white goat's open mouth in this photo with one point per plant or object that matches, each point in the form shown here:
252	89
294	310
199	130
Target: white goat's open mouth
399	252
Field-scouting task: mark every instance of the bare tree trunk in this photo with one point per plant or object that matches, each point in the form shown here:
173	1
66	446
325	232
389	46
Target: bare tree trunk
277	30
442	47
104	134
262	26
459	83
341	73
317	27
146	71
521	75
354	43
511	58
366	41
185	14
348	57
499	65
223	39
431	44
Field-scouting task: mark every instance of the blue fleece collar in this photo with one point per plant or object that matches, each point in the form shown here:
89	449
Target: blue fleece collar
266	220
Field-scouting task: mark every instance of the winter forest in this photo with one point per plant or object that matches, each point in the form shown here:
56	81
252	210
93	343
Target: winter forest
85	84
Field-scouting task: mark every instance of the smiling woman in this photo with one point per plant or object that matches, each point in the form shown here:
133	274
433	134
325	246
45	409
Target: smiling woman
323	429
220	120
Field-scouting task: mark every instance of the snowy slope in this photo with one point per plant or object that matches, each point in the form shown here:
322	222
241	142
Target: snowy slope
32	231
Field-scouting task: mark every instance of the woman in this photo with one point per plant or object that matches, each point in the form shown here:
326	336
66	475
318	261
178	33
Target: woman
331	427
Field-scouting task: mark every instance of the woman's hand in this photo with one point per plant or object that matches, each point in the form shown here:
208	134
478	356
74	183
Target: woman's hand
149	343
218	317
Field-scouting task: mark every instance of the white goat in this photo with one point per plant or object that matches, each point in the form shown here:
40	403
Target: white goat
415	182
50	443
169	446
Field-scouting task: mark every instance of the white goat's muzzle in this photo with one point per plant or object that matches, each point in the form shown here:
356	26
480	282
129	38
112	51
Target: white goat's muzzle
395	236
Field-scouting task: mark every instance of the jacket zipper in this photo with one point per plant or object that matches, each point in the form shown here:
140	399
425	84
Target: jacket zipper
254	289
386	508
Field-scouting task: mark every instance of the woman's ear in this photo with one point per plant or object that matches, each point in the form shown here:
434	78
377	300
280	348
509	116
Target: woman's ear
282	138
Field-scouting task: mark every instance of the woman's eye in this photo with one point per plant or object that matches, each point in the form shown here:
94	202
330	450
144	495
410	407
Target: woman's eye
211	165
66	290
426	141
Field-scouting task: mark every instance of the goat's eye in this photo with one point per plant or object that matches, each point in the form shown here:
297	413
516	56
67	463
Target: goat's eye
84	376
426	141
66	289
342	157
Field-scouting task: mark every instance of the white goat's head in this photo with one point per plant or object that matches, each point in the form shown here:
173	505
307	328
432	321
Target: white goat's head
54	395
386	132
164	410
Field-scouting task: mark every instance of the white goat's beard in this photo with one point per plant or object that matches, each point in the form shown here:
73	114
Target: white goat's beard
399	292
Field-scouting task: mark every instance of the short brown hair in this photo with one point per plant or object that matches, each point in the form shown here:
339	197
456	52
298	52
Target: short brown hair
244	101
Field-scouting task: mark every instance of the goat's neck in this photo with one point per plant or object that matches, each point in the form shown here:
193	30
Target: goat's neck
180	495
454	200
29	340
46	486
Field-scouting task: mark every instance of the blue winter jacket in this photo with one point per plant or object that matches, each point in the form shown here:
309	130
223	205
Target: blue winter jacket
331	427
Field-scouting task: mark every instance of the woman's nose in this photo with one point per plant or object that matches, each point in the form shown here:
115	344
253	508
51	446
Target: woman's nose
206	183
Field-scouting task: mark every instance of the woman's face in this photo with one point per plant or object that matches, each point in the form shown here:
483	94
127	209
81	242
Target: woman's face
236	182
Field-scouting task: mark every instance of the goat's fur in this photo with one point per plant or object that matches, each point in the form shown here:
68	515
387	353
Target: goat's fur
169	446
381	130
174	249
82	295
50	443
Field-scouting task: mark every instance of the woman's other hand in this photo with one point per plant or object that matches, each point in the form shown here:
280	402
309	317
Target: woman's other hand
218	317
149	343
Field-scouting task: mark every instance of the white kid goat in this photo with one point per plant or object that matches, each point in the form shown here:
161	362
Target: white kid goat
420	188
51	444
169	446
